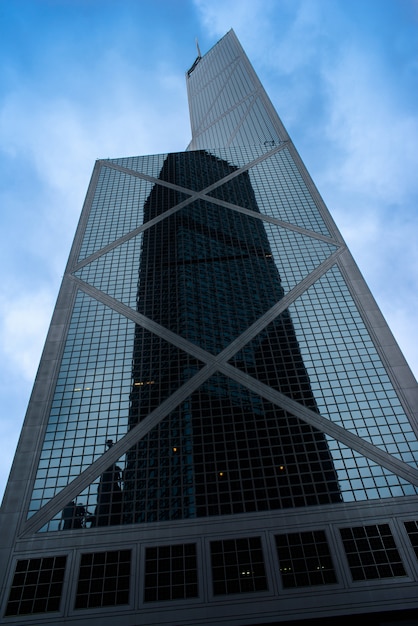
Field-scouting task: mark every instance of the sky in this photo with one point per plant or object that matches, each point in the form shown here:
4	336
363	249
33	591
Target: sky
88	79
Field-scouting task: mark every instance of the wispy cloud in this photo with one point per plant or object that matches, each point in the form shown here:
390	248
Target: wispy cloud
24	320
24	323
289	34
367	126
247	18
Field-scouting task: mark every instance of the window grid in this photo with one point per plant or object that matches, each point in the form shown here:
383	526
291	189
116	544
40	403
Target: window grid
412	530
170	572
150	164
238	566
281	192
92	396
296	255
113	374
371	552
103	579
116	273
348	379
187	286
37	586
116	209
305	559
217	121
240	156
359	478
207	273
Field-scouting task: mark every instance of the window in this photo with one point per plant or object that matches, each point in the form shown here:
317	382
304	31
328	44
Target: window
170	572
371	552
305	559
103	579
37	586
238	566
412	530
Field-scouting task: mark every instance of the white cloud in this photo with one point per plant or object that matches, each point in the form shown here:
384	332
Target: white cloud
404	328
375	138
24	320
248	18
24	323
59	135
283	36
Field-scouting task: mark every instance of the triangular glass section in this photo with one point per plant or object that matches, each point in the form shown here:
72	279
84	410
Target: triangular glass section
210	133
229	111
274	358
194	170
214	66
240	156
359	478
257	126
347	375
206	96
99	505
105	224
295	255
226	450
281	192
320	353
117	272
231	116
150	165
113	373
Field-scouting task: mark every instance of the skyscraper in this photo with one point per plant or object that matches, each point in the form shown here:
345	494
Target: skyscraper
222	428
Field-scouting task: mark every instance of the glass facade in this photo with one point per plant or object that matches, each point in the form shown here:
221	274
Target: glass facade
217	375
202	281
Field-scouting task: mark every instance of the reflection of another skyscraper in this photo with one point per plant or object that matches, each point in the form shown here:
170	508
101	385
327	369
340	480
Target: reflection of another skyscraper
207	273
109	496
73	516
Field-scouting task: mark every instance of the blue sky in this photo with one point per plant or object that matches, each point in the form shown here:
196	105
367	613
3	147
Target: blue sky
88	79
